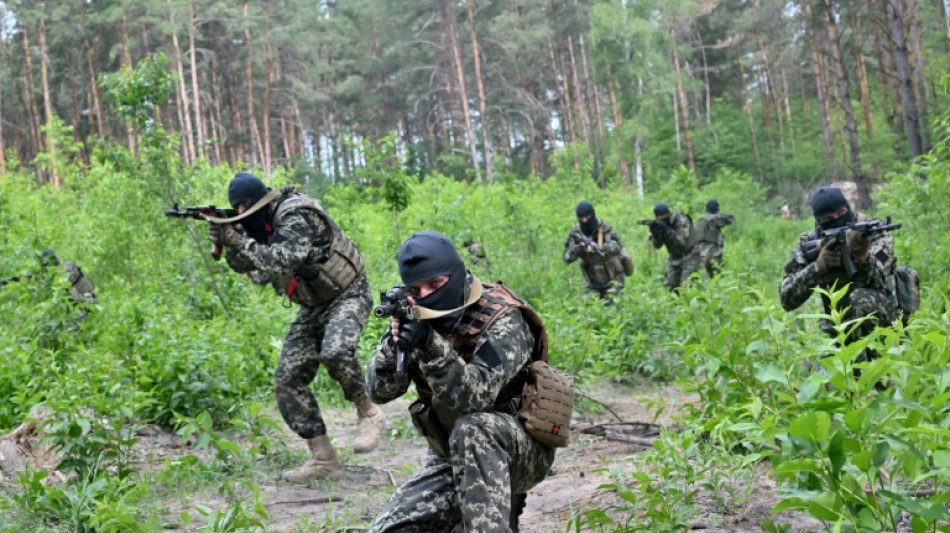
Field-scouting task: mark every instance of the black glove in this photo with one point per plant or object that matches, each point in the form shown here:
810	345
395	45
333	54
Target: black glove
657	229
413	334
829	258
224	234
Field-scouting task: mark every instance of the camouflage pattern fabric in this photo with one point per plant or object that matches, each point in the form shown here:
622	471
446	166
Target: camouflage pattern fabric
675	235
326	334
872	289
489	453
710	241
603	275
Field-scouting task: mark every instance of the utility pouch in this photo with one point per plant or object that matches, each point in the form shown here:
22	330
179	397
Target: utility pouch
908	289
548	400
627	262
425	420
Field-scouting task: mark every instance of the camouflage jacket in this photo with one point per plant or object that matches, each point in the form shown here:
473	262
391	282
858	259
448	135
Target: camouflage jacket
440	372
876	273
598	270
674	233
709	228
300	239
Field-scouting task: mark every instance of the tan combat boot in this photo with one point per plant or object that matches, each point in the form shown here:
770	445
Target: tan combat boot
322	463
370	426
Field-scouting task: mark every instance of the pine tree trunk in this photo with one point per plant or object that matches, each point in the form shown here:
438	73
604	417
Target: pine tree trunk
908	99
34	118
883	78
217	127
47	103
823	110
185	112
773	98
788	111
894	81
255	143
748	114
942	21
865	95
919	70
127	62
199	123
684	109
580	110
591	96
94	92
612	91
864	196
638	147
448	9
482	100
708	90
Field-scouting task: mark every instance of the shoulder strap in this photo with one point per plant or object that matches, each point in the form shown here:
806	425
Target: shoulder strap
494	301
268	198
600	235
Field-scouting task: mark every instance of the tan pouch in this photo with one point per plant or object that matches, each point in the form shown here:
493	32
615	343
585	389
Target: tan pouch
627	262
548	400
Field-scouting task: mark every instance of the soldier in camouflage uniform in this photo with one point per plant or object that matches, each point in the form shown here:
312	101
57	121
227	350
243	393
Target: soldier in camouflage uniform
600	259
477	254
672	228
292	242
468	372
708	239
872	292
81	290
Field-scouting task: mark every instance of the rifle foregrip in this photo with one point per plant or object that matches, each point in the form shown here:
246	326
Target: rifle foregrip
400	360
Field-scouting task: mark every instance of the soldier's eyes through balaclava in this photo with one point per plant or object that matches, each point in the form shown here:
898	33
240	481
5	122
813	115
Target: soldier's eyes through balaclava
826	201
428	254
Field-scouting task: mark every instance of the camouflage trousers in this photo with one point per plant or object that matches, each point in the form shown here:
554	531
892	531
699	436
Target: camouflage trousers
708	256
327	334
610	290
492	458
679	269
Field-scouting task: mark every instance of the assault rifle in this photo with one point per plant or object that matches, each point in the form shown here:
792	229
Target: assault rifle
810	249
15	279
394	303
202	212
646	222
587	242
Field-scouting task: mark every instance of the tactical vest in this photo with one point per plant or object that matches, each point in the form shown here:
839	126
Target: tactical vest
436	420
707	231
319	279
82	288
601	270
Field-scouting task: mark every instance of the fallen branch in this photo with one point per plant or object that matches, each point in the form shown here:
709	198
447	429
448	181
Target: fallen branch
322	499
622	437
598	402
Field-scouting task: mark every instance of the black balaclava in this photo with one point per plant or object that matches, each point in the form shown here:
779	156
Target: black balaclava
586	208
428	254
246	187
660	210
712	206
826	201
48	257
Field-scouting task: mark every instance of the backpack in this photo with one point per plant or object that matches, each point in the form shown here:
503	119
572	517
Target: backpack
627	262
908	290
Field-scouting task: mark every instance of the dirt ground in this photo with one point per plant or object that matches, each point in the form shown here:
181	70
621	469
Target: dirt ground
349	504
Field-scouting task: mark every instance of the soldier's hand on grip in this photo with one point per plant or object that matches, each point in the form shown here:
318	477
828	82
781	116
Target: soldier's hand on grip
224	234
829	257
859	244
413	334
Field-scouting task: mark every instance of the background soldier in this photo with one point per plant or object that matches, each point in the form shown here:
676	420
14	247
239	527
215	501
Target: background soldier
708	239
596	244
81	291
477	255
673	229
871	293
294	242
465	360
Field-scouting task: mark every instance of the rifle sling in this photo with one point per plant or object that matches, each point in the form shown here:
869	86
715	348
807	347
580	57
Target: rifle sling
474	293
268	198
